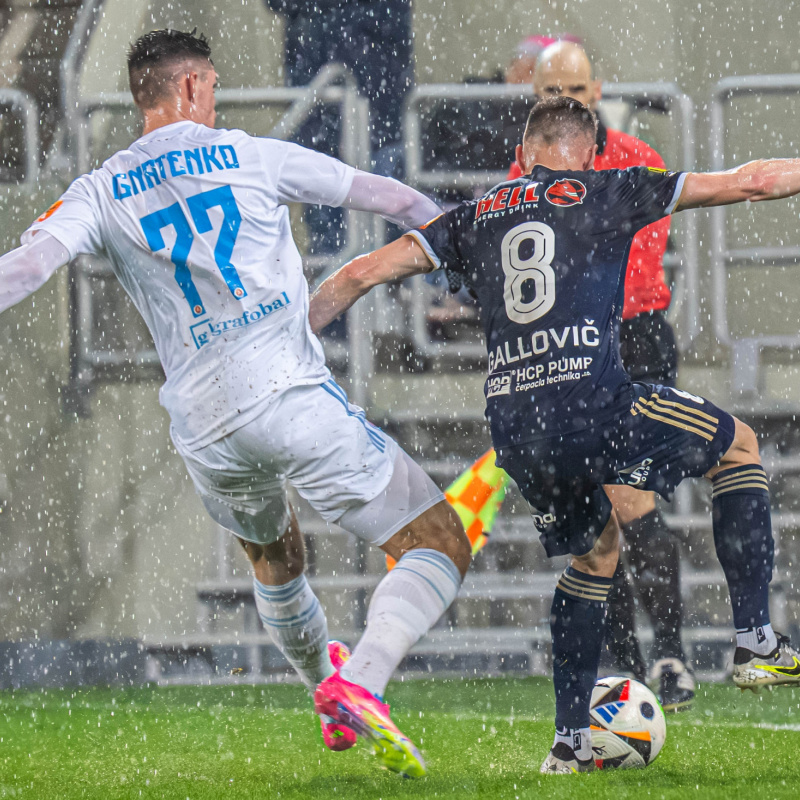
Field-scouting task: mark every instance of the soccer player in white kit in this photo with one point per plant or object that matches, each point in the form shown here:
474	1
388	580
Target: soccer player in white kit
194	223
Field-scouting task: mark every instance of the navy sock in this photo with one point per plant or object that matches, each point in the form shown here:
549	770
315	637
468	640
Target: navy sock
743	538
577	627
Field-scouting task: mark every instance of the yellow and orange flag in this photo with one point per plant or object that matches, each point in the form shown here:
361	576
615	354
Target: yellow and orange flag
476	495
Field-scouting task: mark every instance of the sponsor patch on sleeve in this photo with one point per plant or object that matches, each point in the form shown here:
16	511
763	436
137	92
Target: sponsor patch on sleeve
50	211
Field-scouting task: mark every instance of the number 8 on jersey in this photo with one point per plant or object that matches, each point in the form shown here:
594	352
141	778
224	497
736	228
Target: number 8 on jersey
536	268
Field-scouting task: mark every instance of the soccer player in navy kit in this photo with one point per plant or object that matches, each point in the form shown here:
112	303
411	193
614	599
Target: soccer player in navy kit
650	355
546	256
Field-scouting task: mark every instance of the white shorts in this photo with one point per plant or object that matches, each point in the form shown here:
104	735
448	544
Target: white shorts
313	438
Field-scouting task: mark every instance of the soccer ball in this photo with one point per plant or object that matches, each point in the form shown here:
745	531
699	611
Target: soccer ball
628	725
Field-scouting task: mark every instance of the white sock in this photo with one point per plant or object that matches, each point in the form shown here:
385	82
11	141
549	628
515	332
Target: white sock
407	602
761	639
296	623
579	739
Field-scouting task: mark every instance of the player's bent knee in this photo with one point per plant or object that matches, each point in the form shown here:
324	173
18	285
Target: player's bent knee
438	528
743	449
441	529
280	561
747	441
630	503
602	559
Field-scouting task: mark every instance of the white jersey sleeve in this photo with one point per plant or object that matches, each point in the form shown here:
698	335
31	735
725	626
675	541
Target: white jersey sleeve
74	220
306	176
24	270
393	200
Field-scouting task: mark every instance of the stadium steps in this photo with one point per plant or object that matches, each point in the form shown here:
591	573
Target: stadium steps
486	585
443	397
509	586
498	624
458	649
464	652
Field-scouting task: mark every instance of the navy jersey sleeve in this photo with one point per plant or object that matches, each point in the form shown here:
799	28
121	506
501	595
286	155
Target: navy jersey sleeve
637	196
439	240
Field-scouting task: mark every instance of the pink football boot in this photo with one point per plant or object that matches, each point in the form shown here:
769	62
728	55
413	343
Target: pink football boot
336	736
353	706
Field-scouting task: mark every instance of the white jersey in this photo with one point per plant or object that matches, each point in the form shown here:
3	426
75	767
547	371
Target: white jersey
194	223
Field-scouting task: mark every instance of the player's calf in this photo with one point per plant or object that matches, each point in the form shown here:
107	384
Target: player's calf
287	606
743	539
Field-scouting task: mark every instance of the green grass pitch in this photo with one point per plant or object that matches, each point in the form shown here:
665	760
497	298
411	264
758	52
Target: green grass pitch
481	739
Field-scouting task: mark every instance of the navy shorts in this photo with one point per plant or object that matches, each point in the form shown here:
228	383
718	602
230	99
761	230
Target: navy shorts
666	435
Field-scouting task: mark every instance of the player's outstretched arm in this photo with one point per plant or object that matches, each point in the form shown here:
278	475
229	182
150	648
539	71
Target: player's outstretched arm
393	200
306	176
767	179
396	261
24	270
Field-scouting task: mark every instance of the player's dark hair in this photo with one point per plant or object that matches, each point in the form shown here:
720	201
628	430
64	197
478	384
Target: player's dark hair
152	58
557	118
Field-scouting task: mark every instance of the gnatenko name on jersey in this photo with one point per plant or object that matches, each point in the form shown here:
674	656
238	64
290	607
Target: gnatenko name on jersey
173	164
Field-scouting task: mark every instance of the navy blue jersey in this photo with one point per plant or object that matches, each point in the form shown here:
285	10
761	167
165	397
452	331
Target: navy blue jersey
546	256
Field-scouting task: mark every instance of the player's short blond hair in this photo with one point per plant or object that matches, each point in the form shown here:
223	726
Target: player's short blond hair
557	118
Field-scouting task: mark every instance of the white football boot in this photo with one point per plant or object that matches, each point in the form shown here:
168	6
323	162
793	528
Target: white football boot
561	760
781	666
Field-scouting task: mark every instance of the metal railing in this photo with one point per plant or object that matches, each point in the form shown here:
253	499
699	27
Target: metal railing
659	96
24	106
69	70
746	351
89	362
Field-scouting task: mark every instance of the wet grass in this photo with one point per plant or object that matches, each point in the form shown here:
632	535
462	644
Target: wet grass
481	739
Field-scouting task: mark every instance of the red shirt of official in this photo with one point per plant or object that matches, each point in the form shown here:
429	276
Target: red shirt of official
645	285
